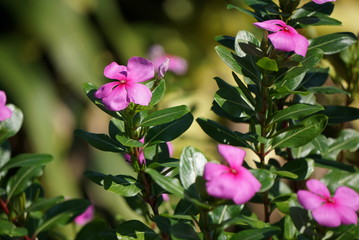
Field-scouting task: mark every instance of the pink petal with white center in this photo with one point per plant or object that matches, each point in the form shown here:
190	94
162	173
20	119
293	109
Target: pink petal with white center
309	200
347	215
233	155
347	197
139	69
327	215
317	187
247	186
138	93
271	25
106	89
212	171
301	45
115	71
322	1
282	41
225	186
116	100
2	98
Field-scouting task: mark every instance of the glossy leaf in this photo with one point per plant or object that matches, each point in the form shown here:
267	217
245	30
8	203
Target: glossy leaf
122	185
328	90
348	140
42	204
295	112
265	177
99	141
191	165
256	234
5	154
27	160
133	229
307	130
341	114
333	43
12	125
164	116
60	219
125	141
21	180
169	131
245	38
184	231
171	185
332	164
284	202
9	229
303	168
227	41
267	64
158	92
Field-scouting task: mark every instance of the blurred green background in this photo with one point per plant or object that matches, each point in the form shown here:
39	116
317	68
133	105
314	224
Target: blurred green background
49	48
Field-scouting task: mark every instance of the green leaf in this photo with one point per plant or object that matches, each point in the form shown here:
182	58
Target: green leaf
256	234
95	177
125	141
227	41
184	231
336	178
164	116
42	204
28	160
341	114
171	185
246	43
332	164
94	230
158	92
9	229
122	185
60	219
284	202
328	90
307	130
12	125
348	140
267	64
286	174
321	143
133	229
21	180
290	232
333	43
169	131
99	141
5	154
224	135
252	14
295	112
265	177
191	165
303	168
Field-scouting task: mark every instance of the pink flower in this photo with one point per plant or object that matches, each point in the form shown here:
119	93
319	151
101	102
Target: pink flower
117	95
5	112
330	211
86	216
231	182
322	1
158	56
284	37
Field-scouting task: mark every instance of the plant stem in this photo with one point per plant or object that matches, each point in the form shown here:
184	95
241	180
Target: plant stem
204	225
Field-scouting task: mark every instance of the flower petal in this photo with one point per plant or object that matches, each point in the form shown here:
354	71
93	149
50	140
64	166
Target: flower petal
115	71
347	197
116	100
177	65
327	215
2	98
247	186
282	41
162	69
322	1
301	45
309	200
233	155
347	215
317	187
138	93
212	171
5	113
139	69
105	89
224	186
271	25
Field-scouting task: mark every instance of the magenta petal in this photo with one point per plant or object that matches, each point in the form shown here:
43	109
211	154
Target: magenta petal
347	215
223	187
139	69
282	41
271	25
116	100
2	98
322	1
327	215
212	171
5	113
347	197
301	45
86	216
317	187
162	69
247	186
105	89
233	155
138	93
309	200
177	65
115	71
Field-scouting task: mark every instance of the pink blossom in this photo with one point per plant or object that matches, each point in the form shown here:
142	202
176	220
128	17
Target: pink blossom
330	211
5	112
322	1
284	37
86	216
117	95
158	56
231	182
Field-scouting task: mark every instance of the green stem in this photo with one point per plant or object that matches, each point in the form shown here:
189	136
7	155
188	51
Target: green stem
205	225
